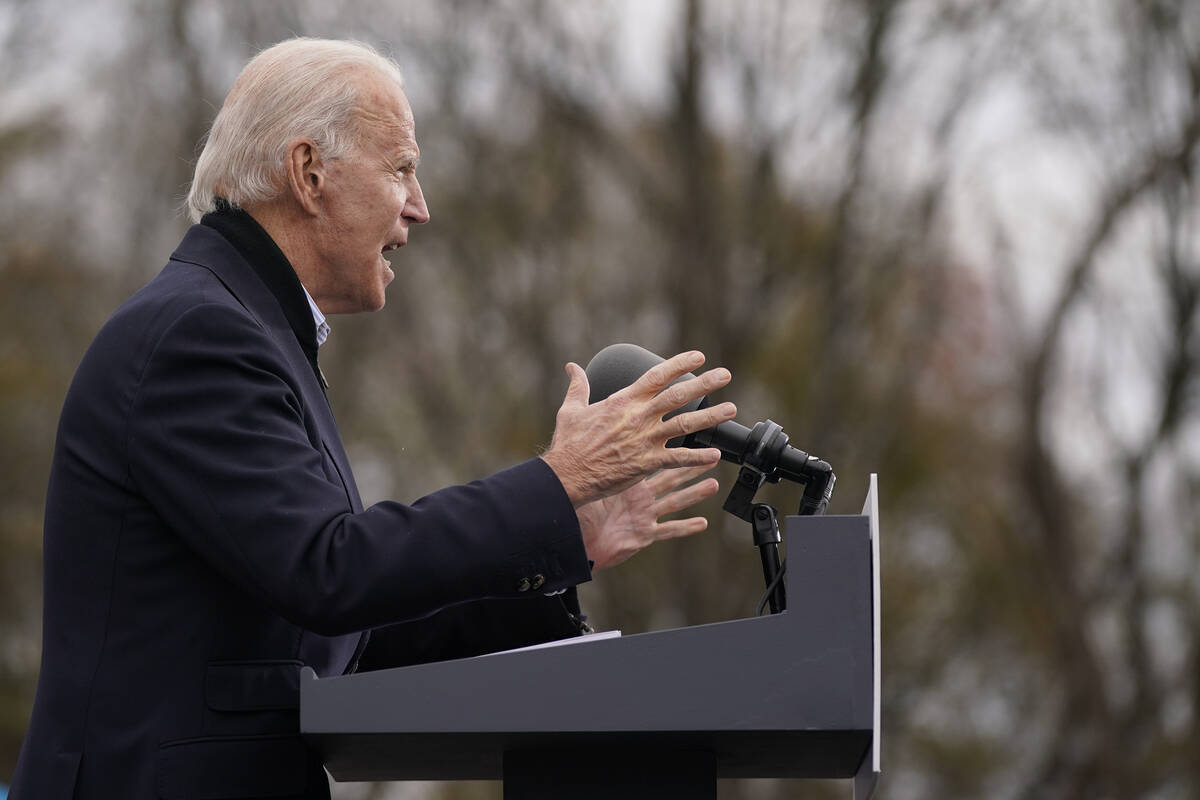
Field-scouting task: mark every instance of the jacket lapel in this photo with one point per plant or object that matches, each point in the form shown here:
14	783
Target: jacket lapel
204	247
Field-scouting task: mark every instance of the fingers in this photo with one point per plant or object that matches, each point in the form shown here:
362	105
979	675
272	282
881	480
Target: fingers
686	497
662	375
684	392
675	457
662	482
600	449
666	393
676	528
578	389
692	421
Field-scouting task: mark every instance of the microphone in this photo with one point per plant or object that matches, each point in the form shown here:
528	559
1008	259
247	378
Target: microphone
764	447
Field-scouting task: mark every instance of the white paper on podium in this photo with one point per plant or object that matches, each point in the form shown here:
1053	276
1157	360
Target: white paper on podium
587	637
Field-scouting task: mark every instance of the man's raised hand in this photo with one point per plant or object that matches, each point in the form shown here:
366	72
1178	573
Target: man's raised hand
603	448
616	527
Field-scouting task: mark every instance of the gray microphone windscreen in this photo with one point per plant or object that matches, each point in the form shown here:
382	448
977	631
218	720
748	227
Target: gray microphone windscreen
619	365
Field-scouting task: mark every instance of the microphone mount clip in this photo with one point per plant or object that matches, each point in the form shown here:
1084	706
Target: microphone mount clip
760	464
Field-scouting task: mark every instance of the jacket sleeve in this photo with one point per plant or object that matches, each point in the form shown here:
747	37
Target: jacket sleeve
218	445
475	628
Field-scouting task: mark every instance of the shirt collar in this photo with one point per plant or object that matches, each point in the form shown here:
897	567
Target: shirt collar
318	319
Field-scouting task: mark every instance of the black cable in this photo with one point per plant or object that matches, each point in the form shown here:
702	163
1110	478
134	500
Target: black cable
771	589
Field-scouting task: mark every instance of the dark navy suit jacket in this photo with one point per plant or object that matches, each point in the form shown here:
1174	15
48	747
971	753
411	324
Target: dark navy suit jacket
204	538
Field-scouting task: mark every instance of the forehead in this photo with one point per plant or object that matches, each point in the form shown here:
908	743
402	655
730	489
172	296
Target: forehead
385	117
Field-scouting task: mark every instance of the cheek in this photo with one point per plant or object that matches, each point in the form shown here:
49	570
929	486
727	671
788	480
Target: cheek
399	198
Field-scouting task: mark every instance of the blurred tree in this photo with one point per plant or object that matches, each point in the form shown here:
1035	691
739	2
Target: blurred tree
952	242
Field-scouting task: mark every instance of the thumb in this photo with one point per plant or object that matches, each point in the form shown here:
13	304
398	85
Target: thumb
579	389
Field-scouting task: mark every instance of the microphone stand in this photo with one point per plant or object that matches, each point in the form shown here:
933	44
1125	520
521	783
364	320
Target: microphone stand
763	519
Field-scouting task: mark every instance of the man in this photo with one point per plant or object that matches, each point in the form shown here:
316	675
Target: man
204	537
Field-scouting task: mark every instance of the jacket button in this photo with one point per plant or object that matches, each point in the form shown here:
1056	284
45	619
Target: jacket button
538	581
524	585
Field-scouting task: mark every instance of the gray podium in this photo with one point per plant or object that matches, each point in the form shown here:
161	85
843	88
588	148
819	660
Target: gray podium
655	715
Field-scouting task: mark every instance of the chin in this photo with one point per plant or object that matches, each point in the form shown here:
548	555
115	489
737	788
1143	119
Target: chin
375	303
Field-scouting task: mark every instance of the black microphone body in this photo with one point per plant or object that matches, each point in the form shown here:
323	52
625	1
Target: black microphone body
764	447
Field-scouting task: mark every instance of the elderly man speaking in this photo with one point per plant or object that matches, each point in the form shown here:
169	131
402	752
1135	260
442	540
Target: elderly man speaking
204	537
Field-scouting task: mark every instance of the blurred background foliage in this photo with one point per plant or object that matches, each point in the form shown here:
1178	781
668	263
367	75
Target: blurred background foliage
953	242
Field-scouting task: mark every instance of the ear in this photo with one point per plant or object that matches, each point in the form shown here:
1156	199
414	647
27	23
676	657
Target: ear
305	174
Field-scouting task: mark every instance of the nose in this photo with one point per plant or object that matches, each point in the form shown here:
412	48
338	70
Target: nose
415	209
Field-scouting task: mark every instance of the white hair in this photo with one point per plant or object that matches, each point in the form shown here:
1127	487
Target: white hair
298	88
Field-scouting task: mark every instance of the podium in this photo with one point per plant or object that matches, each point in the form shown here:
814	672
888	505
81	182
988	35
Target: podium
654	715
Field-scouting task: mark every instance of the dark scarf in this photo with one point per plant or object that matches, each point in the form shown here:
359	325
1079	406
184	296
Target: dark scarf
264	256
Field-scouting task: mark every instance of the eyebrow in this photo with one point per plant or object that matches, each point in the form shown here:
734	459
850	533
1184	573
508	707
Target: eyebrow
404	147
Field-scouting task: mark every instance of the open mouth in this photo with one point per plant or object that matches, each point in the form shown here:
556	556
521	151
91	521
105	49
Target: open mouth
387	248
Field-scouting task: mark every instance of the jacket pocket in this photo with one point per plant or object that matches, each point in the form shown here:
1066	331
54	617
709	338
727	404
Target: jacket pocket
233	767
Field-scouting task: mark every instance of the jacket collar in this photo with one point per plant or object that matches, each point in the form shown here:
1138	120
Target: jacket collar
204	247
259	251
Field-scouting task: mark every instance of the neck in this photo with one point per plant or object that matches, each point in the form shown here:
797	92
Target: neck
288	232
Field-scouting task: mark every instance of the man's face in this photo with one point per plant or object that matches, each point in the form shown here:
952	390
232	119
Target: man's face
371	197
